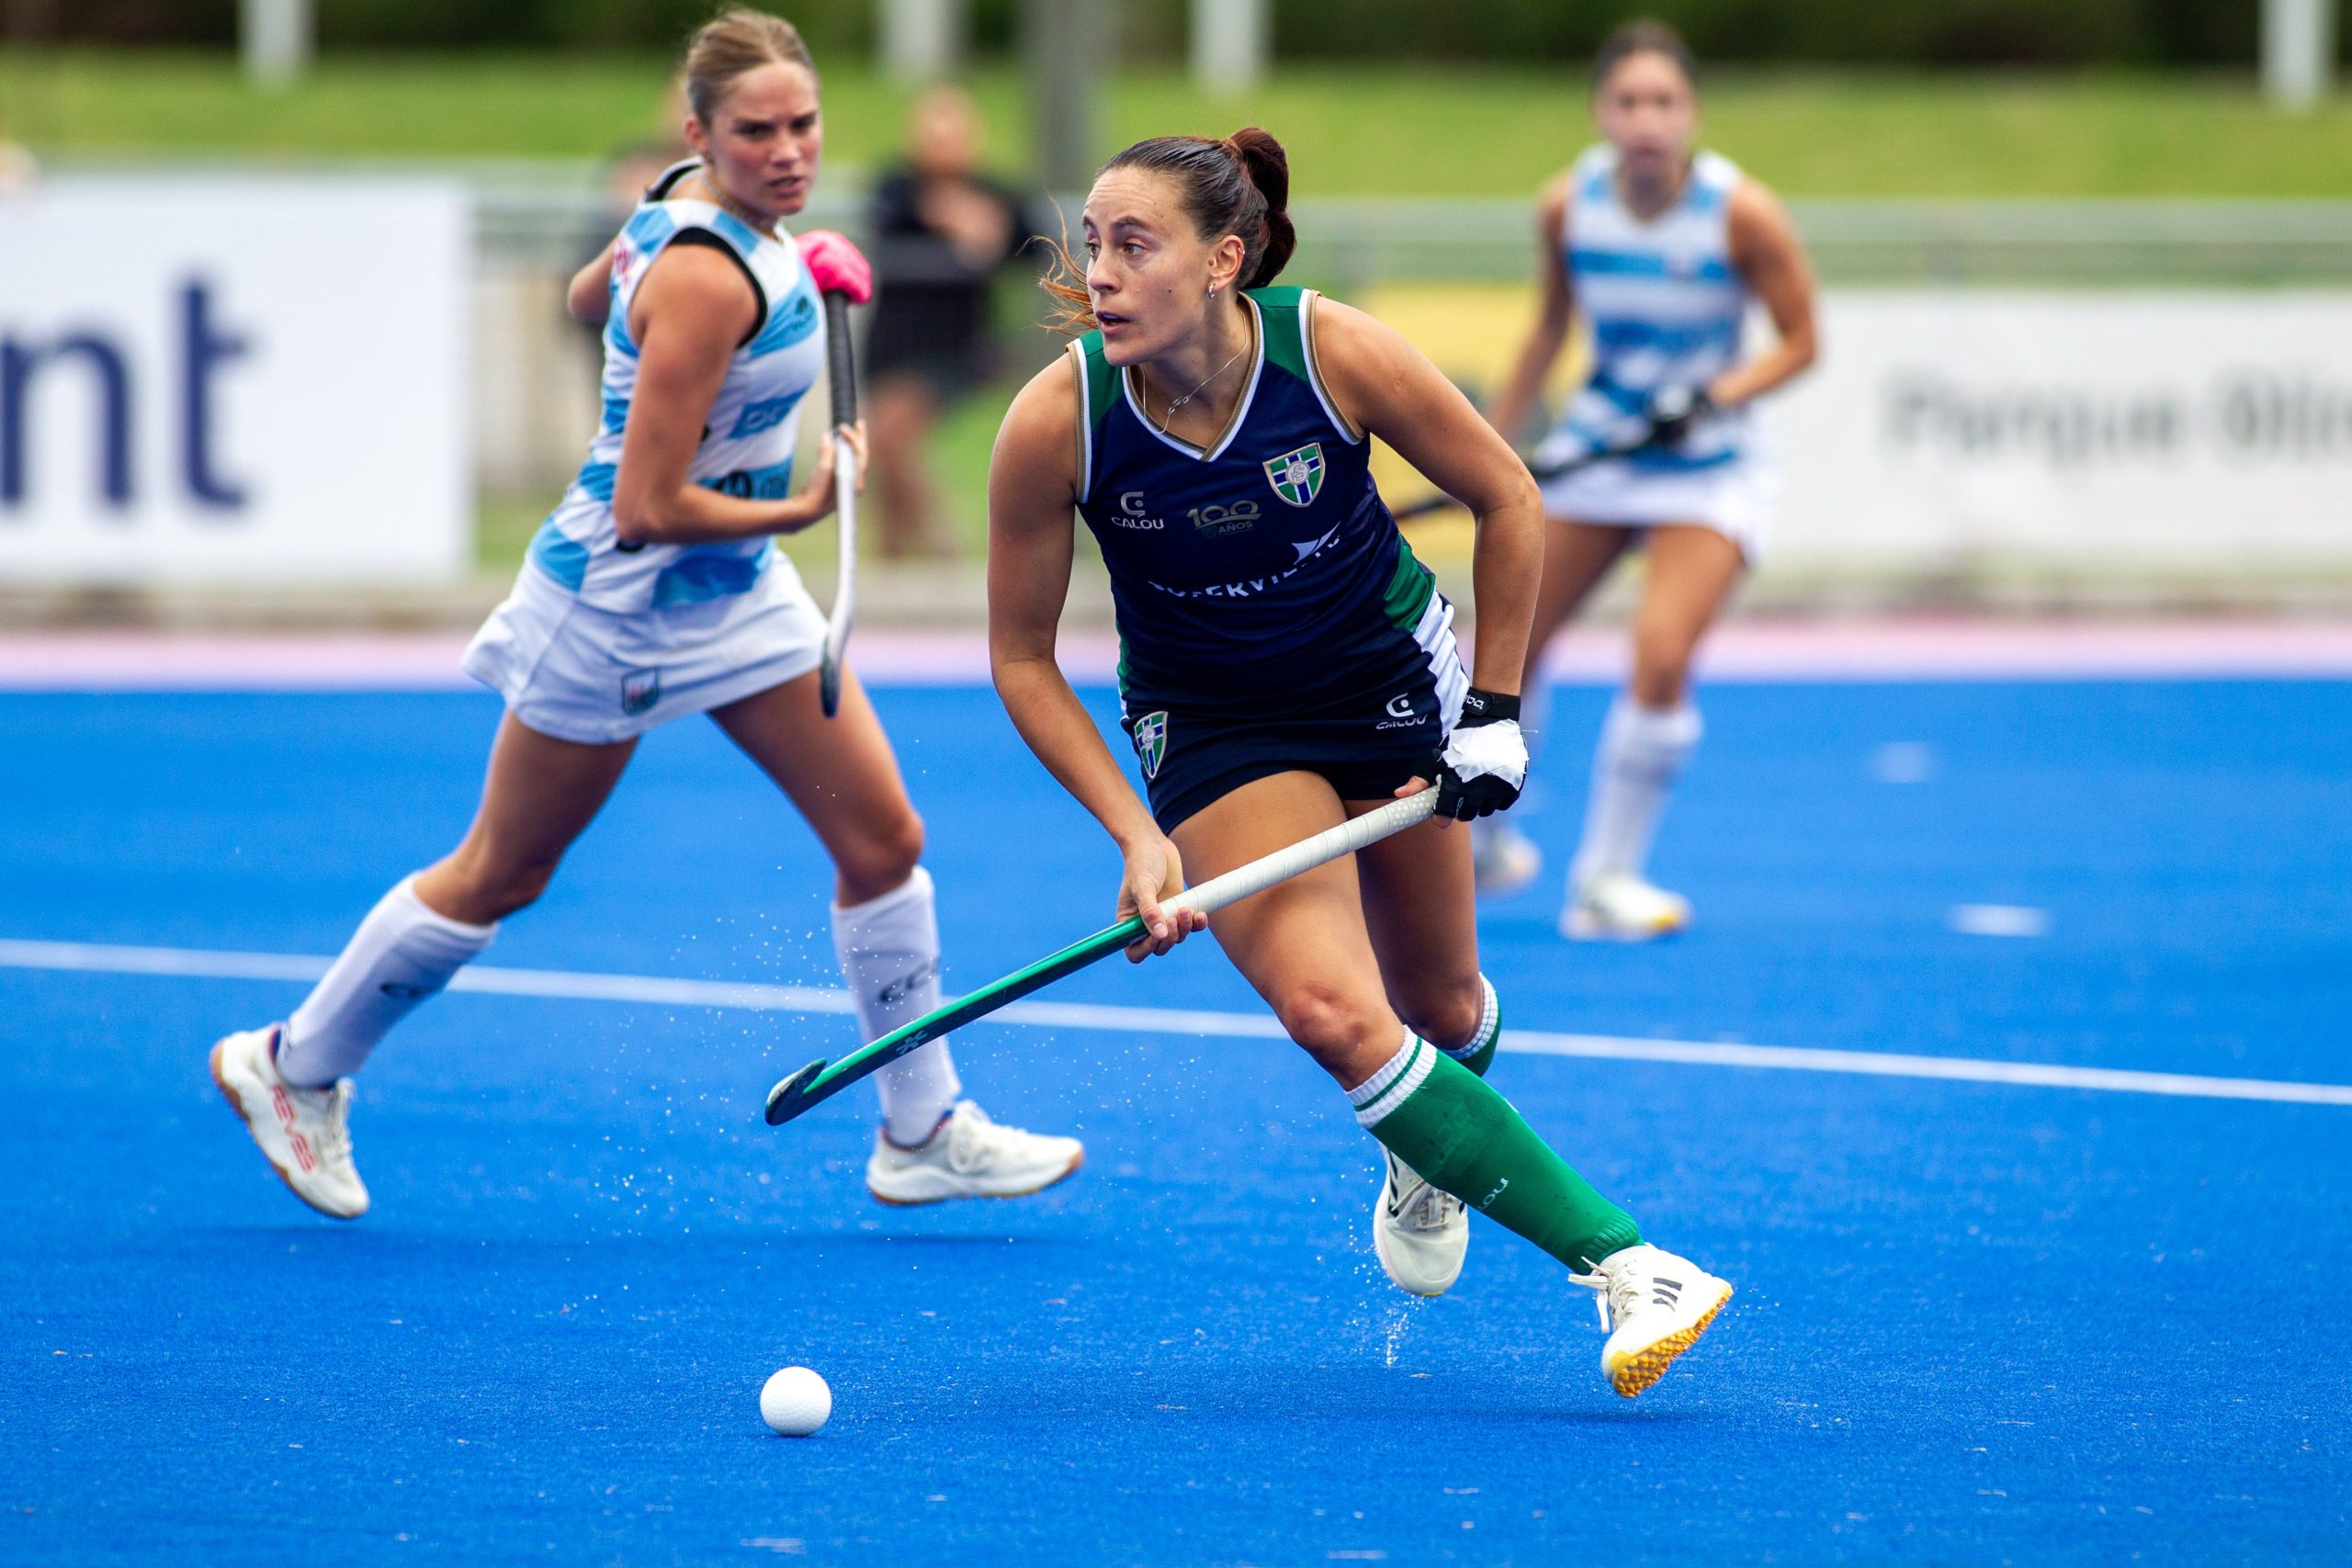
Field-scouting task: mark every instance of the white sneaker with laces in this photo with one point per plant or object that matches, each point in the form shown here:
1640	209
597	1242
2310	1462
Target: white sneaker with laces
1503	859
1621	907
1419	1231
1659	1305
305	1134
969	1156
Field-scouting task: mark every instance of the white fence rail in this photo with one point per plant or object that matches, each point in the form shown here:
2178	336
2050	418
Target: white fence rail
2081	387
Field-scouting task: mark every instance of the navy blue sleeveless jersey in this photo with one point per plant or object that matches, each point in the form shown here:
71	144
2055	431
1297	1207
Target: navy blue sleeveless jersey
1270	614
1263	574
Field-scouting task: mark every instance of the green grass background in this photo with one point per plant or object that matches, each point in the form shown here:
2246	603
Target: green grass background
1357	132
1352	131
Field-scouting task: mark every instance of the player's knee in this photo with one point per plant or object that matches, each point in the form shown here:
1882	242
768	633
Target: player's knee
1661	667
1328	1022
884	855
1450	1017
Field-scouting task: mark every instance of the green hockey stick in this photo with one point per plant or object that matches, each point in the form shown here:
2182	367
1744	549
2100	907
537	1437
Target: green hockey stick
820	1080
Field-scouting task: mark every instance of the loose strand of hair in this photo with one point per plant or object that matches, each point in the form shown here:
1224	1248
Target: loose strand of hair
1064	281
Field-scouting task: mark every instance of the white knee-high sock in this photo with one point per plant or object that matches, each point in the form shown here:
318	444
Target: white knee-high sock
402	954
889	952
1640	751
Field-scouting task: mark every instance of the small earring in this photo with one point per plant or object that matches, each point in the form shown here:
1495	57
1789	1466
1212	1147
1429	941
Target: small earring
1212	290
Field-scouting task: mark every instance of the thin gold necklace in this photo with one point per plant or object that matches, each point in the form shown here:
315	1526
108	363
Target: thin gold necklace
1168	415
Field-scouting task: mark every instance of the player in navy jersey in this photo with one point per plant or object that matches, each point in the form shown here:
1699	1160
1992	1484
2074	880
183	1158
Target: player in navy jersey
1663	248
654	590
1286	664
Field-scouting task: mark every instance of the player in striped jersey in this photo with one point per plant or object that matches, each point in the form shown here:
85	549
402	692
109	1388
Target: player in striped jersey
1662	249
655	590
1285	664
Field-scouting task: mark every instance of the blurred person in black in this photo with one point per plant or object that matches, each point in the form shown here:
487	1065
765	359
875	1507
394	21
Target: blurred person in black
940	233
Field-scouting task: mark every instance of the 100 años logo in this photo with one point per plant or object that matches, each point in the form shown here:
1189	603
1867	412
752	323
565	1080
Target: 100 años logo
1214	521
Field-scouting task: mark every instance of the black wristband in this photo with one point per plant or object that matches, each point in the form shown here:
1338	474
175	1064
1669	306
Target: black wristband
1485	707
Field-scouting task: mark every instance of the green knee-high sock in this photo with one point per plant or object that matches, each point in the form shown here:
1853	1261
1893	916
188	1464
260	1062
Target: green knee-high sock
1478	1053
1464	1138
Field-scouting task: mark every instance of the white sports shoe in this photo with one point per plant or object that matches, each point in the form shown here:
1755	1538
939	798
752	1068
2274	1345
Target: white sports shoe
305	1134
1621	907
1503	859
1660	1304
1419	1231
969	1156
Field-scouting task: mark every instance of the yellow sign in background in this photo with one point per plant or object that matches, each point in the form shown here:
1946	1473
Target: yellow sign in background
1473	332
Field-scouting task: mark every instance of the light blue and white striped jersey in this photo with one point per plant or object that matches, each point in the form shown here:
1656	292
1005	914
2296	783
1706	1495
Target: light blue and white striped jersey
1666	308
748	438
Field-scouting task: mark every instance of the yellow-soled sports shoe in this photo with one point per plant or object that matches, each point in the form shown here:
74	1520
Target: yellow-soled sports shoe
1659	1305
1621	907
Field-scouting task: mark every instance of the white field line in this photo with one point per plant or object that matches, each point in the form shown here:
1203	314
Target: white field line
574	986
1878	649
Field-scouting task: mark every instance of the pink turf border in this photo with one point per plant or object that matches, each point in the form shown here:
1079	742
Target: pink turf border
1877	650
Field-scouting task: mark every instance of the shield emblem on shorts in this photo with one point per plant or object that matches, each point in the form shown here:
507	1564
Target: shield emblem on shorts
640	689
1297	476
1151	742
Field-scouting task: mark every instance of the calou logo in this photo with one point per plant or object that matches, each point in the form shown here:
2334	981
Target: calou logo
1130	515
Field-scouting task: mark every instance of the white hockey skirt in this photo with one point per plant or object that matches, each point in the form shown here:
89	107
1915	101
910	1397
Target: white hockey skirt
576	673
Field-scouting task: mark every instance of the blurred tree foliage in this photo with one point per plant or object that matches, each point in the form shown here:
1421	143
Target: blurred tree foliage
1855	32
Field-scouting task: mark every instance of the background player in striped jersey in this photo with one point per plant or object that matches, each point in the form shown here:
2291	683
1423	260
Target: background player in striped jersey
1286	664
655	590
1662	249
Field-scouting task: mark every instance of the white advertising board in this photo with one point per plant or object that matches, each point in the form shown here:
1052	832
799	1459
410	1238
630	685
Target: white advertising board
2189	430
230	380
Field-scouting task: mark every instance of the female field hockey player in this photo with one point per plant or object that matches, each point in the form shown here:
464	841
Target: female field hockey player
1286	664
1662	249
655	590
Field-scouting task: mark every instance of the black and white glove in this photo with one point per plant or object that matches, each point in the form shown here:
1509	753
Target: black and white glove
1673	411
1484	766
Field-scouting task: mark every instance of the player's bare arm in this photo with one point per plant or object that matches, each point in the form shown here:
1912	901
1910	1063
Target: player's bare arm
1389	390
589	296
1768	252
689	315
1032	488
1556	311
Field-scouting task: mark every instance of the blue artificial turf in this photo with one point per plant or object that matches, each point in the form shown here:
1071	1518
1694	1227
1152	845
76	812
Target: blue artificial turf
1976	1324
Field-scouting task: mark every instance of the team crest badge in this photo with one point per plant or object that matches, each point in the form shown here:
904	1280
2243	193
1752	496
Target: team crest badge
1297	476
640	689
1151	742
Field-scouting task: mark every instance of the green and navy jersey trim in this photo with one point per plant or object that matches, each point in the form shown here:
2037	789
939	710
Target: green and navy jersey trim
1282	322
1260	573
1127	380
1410	590
1308	365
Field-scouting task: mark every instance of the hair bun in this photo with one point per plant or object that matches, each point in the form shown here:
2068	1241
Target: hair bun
1267	166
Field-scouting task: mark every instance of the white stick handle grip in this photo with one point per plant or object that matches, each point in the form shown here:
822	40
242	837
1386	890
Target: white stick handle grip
845	511
1306	855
